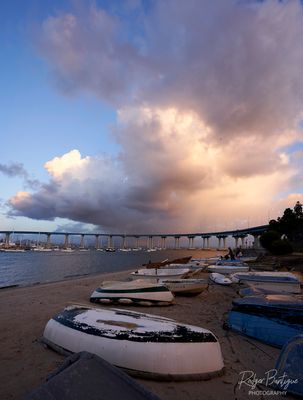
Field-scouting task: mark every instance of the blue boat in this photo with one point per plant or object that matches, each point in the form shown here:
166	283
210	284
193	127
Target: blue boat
273	331
289	366
284	307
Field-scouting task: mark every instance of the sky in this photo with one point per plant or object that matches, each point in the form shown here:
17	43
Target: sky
139	116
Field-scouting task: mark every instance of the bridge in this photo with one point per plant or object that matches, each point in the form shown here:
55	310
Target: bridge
238	235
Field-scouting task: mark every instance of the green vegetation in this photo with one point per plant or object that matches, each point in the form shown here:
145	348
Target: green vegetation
285	233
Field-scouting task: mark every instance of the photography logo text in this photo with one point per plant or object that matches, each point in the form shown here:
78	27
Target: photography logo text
276	384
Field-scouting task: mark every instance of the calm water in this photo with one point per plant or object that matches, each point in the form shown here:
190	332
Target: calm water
34	267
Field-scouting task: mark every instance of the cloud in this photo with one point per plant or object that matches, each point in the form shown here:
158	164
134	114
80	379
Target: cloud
208	96
16	169
170	178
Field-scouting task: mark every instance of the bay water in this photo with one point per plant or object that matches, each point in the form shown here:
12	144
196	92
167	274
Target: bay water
30	267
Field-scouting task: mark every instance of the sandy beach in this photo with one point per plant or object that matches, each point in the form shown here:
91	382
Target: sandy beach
26	362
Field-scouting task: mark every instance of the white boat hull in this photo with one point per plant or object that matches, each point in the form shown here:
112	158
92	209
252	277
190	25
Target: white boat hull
160	274
189	287
220	279
142	344
135	292
226	269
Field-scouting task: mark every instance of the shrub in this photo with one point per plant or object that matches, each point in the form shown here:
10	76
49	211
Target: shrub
280	247
267	238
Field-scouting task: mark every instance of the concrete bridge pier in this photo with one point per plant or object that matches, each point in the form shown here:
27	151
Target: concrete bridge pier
110	241
177	242
163	242
97	244
48	241
191	242
150	242
66	240
236	240
222	241
123	241
82	241
205	242
7	239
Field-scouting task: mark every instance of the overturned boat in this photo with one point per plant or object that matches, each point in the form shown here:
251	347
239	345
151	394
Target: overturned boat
273	319
142	344
186	287
287	366
140	292
220	279
273	281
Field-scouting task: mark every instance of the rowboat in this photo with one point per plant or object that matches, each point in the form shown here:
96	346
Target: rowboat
192	266
186	287
287	365
230	262
139	292
159	274
282	306
227	269
274	281
88	376
273	331
220	279
142	344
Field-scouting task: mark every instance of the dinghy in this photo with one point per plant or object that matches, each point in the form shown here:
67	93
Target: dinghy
220	279
230	262
186	287
227	269
159	274
139	292
274	281
286	307
192	266
290	358
142	344
273	331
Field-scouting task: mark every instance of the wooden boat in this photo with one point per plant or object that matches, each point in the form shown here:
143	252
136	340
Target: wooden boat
139	292
142	344
227	269
183	260
274	281
186	287
220	279
158	274
273	331
287	365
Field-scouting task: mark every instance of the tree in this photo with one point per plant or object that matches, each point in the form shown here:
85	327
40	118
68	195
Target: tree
298	210
290	224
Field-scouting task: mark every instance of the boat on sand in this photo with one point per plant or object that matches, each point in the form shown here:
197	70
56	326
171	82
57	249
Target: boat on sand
142	344
227	269
158	274
273	281
141	292
220	279
186	287
272	318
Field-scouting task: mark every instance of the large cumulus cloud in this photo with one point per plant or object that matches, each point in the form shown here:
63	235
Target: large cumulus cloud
208	96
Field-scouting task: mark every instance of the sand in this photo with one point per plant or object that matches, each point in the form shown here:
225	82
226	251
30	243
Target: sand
25	362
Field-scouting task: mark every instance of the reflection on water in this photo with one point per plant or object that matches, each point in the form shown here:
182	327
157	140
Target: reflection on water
34	267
